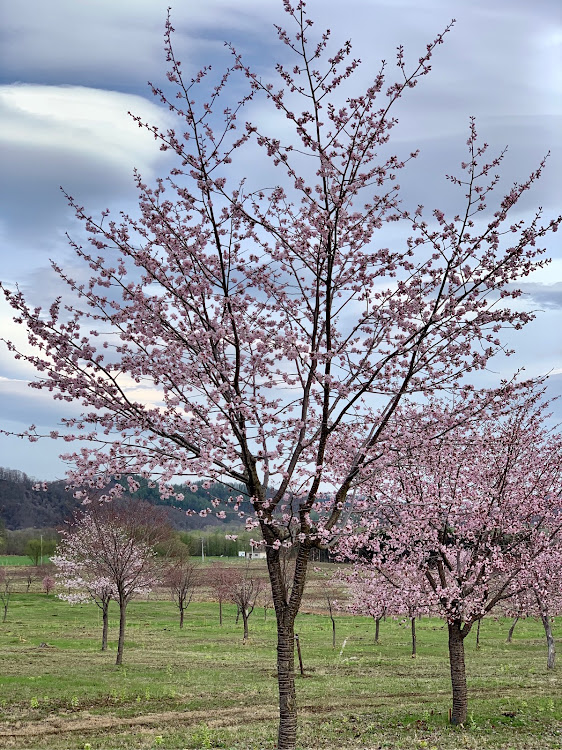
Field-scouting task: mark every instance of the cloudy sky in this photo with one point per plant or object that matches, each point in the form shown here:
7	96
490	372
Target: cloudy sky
71	70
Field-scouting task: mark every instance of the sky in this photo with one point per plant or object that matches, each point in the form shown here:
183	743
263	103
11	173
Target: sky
70	71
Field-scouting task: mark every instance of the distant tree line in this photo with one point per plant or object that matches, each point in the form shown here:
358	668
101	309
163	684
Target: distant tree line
28	542
214	542
22	507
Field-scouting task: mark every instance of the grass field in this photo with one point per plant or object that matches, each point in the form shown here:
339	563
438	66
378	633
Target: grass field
24	560
203	688
15	560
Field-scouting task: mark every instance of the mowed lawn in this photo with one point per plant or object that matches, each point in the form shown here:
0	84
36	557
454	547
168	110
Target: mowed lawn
201	687
17	560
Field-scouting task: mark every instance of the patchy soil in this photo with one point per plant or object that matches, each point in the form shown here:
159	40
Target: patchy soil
85	722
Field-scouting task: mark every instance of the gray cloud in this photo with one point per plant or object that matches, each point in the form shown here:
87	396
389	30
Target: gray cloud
81	60
546	295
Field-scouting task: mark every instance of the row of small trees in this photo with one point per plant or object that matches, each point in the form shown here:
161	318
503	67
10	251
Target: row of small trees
8	581
286	336
108	553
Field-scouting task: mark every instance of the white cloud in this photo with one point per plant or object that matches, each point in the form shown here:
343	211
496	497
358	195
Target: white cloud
85	122
83	64
71	136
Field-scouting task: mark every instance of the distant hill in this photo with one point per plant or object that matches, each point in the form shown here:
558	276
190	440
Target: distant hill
23	507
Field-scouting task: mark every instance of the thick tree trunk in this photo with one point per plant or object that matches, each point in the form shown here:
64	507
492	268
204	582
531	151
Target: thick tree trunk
105	620
286	606
458	673
511	629
245	621
549	641
286	680
414	644
181	617
121	642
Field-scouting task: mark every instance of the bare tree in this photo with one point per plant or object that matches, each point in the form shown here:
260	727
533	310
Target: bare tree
222	579
266	601
182	578
244	593
31	574
6	589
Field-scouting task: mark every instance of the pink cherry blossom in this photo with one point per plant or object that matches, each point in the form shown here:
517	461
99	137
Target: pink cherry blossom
276	330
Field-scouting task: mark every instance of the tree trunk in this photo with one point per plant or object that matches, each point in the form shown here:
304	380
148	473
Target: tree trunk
377	628
5	611
511	629
458	673
121	642
333	633
549	641
478	633
220	612
548	631
286	608
245	621
299	652
105	620
181	617
414	645
287	735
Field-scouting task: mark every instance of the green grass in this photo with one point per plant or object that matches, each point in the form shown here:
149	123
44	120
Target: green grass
17	560
203	688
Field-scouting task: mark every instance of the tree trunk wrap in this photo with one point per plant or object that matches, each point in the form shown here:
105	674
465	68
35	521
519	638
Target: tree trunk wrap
122	622
287	691
458	673
286	609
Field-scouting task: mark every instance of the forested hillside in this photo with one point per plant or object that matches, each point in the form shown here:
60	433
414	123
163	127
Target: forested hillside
23	507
